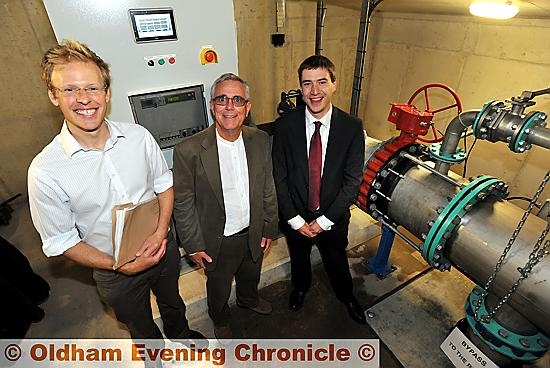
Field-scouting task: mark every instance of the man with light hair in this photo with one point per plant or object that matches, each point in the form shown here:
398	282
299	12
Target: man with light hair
92	165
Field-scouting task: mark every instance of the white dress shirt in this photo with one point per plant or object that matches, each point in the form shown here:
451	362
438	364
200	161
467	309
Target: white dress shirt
298	221
72	189
234	175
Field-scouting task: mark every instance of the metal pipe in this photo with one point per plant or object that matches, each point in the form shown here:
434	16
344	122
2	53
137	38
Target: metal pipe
475	241
371	146
539	137
321	13
509	318
367	7
452	136
477	244
10	199
432	170
280	10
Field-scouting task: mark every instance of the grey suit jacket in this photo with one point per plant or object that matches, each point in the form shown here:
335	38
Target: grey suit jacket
199	210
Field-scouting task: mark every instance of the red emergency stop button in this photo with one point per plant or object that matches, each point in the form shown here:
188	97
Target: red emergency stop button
208	56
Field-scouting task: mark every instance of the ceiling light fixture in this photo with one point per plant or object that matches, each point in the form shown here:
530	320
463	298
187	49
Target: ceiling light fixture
495	9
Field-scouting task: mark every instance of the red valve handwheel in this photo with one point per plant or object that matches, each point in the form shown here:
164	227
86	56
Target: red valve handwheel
457	104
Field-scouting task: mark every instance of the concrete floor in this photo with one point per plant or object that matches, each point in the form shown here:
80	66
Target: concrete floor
74	309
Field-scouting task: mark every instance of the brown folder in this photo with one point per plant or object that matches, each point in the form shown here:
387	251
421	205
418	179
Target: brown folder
138	222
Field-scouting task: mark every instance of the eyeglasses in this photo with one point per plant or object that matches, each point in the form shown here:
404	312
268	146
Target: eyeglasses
74	91
223	100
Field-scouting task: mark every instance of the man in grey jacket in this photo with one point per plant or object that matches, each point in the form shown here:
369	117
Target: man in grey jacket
225	202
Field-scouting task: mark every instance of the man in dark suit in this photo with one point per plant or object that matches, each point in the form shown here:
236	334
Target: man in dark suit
318	154
225	202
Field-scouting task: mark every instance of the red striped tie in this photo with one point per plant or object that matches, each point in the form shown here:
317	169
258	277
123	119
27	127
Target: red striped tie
314	167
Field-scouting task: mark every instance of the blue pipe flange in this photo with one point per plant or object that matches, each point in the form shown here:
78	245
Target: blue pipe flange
481	115
518	143
451	217
457	157
442	228
500	338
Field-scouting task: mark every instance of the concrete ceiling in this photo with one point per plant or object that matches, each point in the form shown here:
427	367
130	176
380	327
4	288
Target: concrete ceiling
528	8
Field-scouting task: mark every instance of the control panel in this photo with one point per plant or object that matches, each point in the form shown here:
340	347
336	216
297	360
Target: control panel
171	115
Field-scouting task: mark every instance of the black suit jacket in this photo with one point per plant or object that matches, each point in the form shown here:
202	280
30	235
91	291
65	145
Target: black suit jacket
199	210
342	170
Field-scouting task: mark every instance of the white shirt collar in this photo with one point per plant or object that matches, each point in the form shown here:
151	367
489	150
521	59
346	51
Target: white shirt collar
71	145
325	120
220	139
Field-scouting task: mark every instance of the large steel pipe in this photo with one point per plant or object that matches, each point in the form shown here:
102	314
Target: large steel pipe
540	137
479	241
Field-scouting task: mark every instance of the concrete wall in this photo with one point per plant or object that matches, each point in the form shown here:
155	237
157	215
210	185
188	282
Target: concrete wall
27	119
271	70
481	60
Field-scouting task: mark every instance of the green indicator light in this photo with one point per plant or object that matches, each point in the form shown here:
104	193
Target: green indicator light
161	61
174	98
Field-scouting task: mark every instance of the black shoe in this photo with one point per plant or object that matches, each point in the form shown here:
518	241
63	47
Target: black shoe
37	314
355	311
196	335
196	338
296	300
224	334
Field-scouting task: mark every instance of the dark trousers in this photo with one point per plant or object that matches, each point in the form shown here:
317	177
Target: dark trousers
332	247
129	296
22	291
234	260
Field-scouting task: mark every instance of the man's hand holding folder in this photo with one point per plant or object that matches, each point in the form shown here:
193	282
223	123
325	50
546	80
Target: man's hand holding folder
146	260
137	243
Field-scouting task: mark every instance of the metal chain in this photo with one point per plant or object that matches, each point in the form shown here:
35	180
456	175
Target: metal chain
536	255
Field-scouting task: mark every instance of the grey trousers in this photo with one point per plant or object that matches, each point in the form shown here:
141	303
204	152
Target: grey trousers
234	260
129	296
